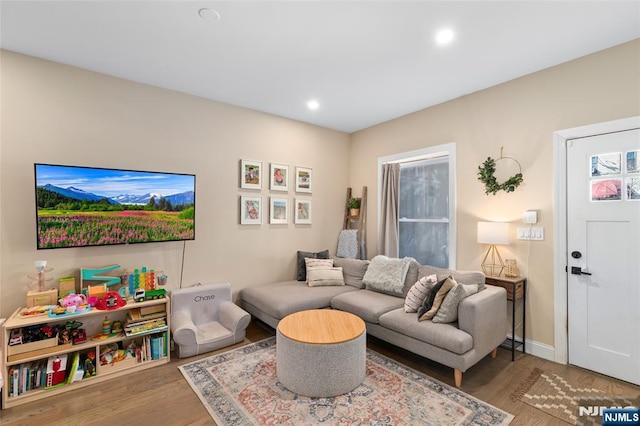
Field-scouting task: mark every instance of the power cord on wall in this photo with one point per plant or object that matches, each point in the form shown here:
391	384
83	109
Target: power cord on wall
519	323
184	246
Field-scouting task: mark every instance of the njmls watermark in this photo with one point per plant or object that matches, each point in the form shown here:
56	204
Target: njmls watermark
627	416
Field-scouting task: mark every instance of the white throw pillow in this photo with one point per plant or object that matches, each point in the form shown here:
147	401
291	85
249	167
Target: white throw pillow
323	276
314	263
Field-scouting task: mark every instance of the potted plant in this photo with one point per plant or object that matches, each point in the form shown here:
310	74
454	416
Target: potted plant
354	207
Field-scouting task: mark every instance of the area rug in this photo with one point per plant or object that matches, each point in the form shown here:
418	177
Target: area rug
562	399
240	387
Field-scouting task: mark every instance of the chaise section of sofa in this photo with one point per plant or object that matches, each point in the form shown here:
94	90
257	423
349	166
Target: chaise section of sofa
272	302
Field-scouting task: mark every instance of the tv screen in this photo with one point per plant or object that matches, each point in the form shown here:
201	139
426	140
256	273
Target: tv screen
90	206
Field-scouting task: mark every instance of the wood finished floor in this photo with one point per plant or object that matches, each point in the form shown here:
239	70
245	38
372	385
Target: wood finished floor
160	396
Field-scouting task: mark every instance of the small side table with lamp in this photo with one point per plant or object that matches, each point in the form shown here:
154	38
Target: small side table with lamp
497	233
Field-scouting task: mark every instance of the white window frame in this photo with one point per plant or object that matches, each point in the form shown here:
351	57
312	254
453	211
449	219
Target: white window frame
449	150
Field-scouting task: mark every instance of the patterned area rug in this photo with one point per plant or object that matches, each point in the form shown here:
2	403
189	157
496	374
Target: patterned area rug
556	396
240	387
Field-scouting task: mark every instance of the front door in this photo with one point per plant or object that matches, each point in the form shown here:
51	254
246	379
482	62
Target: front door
603	216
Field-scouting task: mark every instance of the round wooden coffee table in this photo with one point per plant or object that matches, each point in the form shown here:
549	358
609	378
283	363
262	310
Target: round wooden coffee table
321	352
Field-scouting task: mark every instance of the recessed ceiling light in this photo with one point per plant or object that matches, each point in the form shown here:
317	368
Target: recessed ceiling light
209	14
444	36
313	104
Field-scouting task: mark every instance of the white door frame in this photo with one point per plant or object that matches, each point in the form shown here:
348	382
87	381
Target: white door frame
560	137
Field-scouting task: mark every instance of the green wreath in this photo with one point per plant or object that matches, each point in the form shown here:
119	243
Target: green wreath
486	175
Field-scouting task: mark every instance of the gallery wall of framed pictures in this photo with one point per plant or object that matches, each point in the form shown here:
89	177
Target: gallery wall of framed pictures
279	208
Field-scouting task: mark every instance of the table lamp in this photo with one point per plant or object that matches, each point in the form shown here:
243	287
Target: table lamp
493	233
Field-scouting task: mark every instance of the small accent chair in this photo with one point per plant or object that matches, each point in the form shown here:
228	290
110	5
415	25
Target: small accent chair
204	318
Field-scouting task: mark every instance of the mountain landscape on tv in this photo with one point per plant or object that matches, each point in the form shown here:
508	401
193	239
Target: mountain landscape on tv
187	197
80	206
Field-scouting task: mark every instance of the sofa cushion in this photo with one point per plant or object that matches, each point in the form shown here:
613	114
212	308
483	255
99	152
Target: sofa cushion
445	336
281	299
301	267
448	311
366	304
323	276
388	275
418	292
440	294
461	277
353	270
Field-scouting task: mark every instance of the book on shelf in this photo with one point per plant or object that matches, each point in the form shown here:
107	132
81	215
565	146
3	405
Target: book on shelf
145	313
25	377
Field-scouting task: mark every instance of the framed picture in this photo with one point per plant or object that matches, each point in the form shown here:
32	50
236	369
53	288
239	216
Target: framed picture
303	179
278	211
606	164
303	211
251	210
250	174
279	177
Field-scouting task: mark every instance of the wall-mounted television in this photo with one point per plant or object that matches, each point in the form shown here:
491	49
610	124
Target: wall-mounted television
91	206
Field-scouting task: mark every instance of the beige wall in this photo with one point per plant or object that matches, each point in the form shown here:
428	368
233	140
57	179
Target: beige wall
53	113
58	114
521	116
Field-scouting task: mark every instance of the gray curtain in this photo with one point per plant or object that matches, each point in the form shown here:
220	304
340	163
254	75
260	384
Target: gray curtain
388	232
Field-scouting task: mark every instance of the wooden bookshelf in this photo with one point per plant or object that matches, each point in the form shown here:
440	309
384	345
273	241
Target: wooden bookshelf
92	323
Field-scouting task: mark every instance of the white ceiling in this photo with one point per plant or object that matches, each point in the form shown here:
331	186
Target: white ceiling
365	62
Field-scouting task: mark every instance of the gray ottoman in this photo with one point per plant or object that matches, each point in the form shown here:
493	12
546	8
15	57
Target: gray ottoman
321	352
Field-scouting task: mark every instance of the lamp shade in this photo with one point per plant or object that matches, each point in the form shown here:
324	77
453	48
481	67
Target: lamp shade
493	233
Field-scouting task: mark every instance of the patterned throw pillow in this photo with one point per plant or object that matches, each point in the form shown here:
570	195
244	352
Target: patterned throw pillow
418	292
315	263
448	311
437	296
301	268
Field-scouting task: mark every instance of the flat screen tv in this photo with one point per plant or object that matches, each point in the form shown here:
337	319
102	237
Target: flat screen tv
90	206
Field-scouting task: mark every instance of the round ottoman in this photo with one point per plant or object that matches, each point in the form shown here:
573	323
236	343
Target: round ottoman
321	352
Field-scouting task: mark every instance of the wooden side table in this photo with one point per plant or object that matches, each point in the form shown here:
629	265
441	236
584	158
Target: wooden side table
516	290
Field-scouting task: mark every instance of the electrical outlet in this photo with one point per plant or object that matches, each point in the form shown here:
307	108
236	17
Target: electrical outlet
534	233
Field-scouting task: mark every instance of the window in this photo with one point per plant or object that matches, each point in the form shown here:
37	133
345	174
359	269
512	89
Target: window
426	205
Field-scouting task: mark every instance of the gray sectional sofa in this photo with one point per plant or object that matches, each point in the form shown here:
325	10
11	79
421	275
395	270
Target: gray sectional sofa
481	326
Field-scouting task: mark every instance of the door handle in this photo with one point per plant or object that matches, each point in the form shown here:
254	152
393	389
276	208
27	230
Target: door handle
576	270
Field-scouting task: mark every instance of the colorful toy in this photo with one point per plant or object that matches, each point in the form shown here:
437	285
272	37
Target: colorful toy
73	300
90	364
116	327
56	370
111	300
64	337
106	326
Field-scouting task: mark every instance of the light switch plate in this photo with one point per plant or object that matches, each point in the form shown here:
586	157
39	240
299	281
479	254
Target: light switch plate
535	233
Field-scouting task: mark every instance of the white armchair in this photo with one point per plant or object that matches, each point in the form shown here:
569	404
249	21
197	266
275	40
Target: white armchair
203	319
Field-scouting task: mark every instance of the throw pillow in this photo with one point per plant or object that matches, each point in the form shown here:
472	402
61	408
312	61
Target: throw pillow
353	270
418	292
448	311
387	275
315	263
448	284
427	303
322	276
301	267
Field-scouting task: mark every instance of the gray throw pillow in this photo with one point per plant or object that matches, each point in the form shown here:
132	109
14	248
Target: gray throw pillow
353	270
448	311
301	266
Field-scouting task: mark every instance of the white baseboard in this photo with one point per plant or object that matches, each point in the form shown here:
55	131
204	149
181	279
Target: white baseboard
538	349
